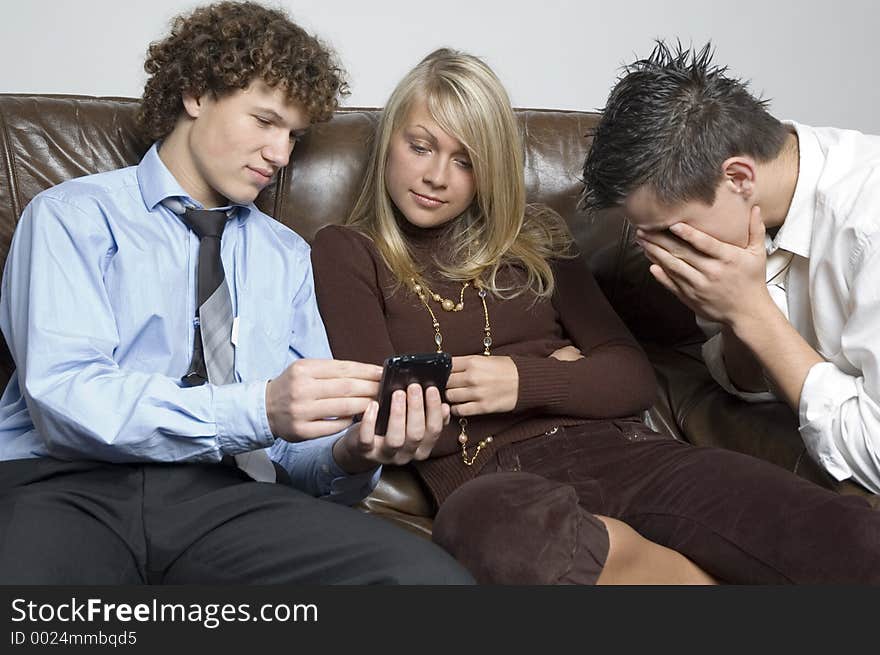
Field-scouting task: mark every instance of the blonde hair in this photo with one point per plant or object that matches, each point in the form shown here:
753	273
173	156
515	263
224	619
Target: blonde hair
468	102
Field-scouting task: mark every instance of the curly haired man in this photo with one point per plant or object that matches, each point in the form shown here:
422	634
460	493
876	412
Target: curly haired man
143	437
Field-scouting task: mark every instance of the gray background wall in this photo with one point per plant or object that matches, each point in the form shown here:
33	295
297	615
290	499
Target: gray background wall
814	60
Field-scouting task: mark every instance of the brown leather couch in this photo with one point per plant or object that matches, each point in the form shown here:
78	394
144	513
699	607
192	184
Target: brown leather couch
48	139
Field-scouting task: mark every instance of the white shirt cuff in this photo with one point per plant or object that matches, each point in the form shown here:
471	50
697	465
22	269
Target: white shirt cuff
825	389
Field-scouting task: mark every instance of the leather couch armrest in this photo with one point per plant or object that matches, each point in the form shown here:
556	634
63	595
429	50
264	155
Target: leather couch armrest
400	497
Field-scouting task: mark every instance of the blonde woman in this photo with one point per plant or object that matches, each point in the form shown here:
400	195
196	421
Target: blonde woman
545	474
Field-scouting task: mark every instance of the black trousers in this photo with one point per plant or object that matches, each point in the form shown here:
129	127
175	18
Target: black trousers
529	517
98	523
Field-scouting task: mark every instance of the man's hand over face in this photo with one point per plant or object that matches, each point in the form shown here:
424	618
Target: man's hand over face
718	281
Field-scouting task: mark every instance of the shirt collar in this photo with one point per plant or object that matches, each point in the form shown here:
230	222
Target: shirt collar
796	231
157	183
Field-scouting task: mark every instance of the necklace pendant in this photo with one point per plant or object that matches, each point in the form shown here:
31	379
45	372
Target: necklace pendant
462	436
447	305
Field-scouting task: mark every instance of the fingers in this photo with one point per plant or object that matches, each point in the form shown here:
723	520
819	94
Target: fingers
367	431
666	250
663	278
492	382
310	391
462	363
315	429
420	442
455	381
467	372
339	368
437	416
313	410
468	409
436	412
320	378
396	433
415	422
667	241
567	354
326	388
700	241
670	263
463	393
757	230
415	418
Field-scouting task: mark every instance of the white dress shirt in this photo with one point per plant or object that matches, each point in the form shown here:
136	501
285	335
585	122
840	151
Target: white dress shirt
823	272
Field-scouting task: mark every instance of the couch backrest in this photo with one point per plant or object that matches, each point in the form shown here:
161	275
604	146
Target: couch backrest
45	140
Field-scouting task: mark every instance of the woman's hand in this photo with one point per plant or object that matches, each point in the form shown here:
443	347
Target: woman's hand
482	385
567	354
414	425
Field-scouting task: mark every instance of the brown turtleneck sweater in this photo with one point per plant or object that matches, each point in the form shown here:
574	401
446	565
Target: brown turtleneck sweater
369	317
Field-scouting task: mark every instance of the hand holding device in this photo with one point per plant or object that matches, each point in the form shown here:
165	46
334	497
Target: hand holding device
399	371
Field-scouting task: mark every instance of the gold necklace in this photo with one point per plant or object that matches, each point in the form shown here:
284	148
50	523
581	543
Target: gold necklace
421	290
447	304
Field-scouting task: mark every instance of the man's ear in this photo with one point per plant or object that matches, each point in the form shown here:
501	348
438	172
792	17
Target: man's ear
192	105
739	175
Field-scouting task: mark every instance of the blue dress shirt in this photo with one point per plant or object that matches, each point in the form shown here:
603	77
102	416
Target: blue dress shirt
97	308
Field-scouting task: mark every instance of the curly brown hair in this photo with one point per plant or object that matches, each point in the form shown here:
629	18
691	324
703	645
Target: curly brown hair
223	47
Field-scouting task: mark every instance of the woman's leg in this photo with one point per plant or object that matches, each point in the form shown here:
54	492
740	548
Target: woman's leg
635	560
741	519
520	528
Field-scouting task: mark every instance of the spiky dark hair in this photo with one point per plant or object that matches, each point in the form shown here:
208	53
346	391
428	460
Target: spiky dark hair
670	122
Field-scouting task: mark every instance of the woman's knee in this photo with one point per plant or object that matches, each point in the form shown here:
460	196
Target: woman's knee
519	528
626	546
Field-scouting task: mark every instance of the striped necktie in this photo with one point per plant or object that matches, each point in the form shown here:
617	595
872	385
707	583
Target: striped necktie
213	353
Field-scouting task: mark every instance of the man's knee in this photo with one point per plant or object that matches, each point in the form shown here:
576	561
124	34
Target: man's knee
48	540
416	561
327	544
